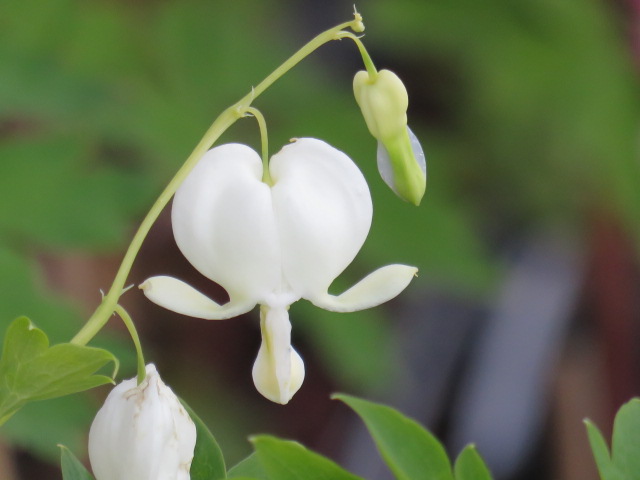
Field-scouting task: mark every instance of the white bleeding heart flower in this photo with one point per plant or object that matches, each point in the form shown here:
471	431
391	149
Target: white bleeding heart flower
273	245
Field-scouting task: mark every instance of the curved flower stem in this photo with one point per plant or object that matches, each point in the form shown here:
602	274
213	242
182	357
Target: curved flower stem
264	140
227	118
128	322
366	59
109	302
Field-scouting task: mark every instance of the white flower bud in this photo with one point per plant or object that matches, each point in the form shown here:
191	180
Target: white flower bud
142	432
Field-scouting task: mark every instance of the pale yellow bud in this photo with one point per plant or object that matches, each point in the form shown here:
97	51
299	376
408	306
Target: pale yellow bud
383	100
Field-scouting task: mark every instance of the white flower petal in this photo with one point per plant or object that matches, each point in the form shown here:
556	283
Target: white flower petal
180	297
376	288
223	222
278	371
323	212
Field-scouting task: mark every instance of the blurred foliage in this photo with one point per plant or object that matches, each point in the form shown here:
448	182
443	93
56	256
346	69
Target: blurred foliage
542	97
527	112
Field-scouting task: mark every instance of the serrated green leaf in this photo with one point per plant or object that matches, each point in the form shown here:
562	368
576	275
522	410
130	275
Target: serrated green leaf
470	466
625	444
249	467
208	461
287	460
409	450
72	469
608	471
31	370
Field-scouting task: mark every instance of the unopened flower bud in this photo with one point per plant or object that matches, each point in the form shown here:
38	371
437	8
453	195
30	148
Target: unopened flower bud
142	432
383	100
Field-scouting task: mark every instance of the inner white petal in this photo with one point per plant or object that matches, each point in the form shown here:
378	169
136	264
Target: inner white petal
278	371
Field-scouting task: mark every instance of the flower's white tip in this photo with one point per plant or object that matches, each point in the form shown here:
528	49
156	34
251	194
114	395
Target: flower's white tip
142	432
376	288
180	297
264	377
278	371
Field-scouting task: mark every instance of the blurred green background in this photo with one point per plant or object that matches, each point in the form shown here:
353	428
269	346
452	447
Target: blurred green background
527	111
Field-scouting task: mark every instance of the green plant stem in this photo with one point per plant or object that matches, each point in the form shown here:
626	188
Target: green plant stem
264	141
366	59
108	305
131	327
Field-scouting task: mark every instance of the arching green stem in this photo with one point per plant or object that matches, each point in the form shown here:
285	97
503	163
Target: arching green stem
366	59
108	305
128	322
264	141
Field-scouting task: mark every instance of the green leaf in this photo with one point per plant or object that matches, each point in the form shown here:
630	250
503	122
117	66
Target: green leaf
408	449
470	466
72	469
286	460
249	467
31	370
208	461
625	446
608	471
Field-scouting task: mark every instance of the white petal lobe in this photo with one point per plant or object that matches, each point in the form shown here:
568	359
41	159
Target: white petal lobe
376	288
180	297
323	212
224	225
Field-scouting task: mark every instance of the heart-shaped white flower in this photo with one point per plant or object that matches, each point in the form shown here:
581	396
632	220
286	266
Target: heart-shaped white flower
274	244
